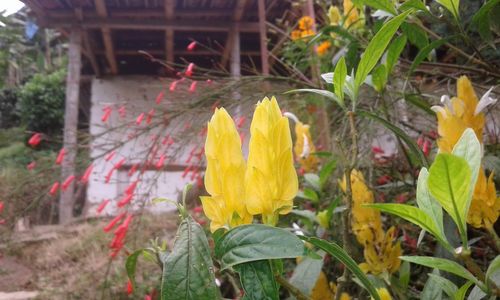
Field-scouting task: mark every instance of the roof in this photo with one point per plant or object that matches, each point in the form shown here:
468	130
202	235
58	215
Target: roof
117	33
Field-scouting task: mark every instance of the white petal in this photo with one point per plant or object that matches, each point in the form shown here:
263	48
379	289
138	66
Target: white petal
381	14
484	102
439	109
291	116
305	149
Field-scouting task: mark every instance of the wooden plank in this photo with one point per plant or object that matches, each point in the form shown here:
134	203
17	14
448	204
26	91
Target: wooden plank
102	12
237	15
67	200
264	54
154	24
87	45
169	32
159	52
153	13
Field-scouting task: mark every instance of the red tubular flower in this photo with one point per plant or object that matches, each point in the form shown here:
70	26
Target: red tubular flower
139	119
383	179
130	288
101	206
126	200
122	111
131	188
420	141
109	175
191	46
110	156
113	222
186	171
160	97
377	150
132	170
3	221
31	165
173	85
148	297
35	139
150	116
67	182
107	113
120	163
1	206
60	156
241	121
209	81
189	70
426	148
87	173
54	188
160	162
192	87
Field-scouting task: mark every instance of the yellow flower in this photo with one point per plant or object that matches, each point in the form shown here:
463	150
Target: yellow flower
322	218
458	114
306	23
321	290
351	13
345	296
295	35
271	180
384	294
334	15
306	33
225	174
323	48
383	257
304	146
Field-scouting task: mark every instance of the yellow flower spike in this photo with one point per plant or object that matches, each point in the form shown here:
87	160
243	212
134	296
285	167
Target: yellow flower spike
351	13
458	114
271	180
384	294
321	290
304	146
334	15
345	296
225	174
306	33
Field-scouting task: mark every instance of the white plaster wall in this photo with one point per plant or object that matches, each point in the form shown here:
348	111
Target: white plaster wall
138	94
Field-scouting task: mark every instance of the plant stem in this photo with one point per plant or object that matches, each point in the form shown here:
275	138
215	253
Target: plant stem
494	236
343	281
292	289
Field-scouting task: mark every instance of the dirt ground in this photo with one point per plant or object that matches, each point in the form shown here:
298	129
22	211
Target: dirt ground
72	262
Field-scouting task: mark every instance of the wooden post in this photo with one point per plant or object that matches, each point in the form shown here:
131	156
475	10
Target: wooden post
67	200
235	53
264	55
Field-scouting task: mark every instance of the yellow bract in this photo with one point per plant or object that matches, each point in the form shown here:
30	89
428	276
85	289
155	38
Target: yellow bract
458	114
381	254
271	180
225	174
303	148
353	18
323	48
321	290
384	294
306	28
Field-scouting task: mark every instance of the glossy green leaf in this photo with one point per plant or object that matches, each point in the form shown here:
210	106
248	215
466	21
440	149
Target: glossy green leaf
469	148
404	274
324	93
414	215
494	268
452	6
443	265
446	285
409	4
131	263
428	204
393	52
339	79
306	274
379	78
481	20
338	253
432	289
257	280
188	272
416	35
257	242
424	53
417	101
449	183
313	181
309	194
376	48
460	294
412	146
326	172
385	5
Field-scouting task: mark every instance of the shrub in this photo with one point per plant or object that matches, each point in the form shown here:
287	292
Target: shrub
9	115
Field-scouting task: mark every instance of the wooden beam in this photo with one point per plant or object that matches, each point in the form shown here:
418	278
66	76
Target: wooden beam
102	12
154	24
67	201
87	45
264	54
169	32
237	15
158	52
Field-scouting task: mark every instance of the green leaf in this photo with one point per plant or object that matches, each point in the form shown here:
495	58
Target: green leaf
493	269
414	215
188	272
379	78
337	252
413	147
313	181
416	35
417	101
306	274
385	5
324	93
304	213
409	4
460	295
257	280
326	171
449	183
404	274
309	194
131	263
424	53
452	6
339	79
256	242
393	52
443	265
376	48
469	148
432	289
447	286
481	20
428	204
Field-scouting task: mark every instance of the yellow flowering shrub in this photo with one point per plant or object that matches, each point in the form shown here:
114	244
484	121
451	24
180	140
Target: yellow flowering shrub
305	28
459	113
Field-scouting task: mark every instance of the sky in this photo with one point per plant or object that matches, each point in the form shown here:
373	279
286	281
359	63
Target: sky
10	6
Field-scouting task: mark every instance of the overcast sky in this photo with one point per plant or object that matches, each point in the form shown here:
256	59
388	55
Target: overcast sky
10	6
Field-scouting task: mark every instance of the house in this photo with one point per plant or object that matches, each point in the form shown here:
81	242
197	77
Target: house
136	51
